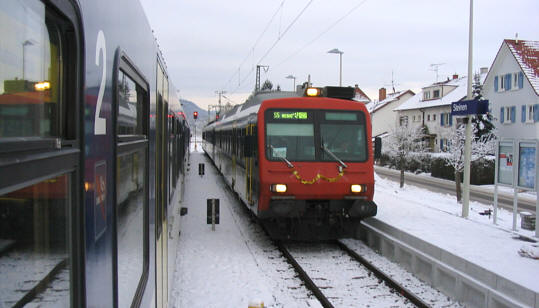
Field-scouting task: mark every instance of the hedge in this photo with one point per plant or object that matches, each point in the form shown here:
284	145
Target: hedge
482	172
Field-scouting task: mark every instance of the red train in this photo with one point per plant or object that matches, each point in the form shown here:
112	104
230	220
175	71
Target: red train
301	162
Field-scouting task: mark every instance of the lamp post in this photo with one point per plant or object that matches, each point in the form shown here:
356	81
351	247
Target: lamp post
337	51
24	44
468	121
292	77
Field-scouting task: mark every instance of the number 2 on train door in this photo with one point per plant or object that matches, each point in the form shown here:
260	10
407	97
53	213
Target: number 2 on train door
100	124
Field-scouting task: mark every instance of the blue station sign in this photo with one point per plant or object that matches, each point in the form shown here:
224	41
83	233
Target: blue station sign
467	107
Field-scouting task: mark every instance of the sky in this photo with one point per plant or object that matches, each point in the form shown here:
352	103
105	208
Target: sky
212	46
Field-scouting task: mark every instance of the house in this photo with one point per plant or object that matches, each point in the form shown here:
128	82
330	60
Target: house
430	110
512	88
383	117
360	96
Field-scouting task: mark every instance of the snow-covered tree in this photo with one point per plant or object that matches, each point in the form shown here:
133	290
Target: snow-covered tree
454	157
267	85
402	143
483	122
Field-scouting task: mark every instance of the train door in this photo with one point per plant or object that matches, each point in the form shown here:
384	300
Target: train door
161	195
132	174
250	161
234	155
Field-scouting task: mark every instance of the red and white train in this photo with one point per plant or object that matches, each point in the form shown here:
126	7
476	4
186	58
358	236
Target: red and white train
301	162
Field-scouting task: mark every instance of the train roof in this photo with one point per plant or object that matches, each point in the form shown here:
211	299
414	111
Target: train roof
249	109
251	106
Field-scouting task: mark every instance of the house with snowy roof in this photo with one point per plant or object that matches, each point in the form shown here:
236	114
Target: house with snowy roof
430	110
512	88
383	117
360	96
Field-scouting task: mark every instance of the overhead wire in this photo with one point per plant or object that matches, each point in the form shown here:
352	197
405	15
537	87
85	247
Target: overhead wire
321	33
251	50
275	43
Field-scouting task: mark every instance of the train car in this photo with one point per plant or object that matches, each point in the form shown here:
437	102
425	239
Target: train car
93	149
301	162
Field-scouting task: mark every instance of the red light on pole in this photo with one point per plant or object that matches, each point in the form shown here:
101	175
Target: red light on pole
195	115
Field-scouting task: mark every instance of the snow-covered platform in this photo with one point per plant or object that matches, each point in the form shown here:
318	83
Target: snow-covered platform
471	260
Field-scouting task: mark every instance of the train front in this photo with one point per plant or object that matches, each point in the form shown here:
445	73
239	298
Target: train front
316	165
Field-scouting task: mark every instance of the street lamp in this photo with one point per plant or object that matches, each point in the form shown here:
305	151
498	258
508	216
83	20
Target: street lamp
337	51
292	77
24	44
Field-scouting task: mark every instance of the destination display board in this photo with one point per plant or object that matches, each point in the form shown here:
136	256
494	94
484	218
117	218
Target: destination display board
290	115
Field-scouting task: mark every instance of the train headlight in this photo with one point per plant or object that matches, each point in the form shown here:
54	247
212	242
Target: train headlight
313	92
357	188
278	188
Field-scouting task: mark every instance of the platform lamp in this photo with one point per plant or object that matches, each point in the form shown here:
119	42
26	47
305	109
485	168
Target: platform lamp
337	51
292	77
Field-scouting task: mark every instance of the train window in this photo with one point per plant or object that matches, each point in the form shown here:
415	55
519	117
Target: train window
34	247
291	141
343	134
130	104
130	211
39	202
131	181
30	74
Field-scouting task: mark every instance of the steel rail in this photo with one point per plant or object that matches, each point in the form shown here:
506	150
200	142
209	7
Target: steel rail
381	275
304	277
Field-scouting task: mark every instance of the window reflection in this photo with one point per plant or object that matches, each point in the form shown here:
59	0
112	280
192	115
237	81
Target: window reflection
130	222
130	102
34	259
29	70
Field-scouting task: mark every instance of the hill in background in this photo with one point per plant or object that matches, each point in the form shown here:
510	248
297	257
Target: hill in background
189	107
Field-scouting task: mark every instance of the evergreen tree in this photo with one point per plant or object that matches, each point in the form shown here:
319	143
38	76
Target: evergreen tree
483	122
267	86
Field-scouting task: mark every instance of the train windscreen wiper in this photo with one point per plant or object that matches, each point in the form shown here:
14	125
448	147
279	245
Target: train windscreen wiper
286	161
334	156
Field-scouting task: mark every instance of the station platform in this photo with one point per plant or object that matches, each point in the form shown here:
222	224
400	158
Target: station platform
471	260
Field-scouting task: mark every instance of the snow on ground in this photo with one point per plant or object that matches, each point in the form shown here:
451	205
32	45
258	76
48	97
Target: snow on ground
235	265
435	218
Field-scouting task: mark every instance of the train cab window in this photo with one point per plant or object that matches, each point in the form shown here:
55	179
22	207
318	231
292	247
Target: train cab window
291	141
131	181
30	74
343	134
290	135
34	246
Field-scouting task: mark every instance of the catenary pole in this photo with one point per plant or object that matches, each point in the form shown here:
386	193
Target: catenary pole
468	141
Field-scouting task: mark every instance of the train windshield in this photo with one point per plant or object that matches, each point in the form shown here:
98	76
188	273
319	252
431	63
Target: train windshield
343	134
298	135
291	141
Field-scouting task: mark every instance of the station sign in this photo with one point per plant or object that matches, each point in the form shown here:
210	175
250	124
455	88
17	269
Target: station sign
467	107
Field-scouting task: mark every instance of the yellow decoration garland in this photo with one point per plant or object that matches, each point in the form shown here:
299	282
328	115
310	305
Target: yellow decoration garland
317	177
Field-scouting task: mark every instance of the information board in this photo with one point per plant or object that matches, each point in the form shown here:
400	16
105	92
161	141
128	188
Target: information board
527	164
505	163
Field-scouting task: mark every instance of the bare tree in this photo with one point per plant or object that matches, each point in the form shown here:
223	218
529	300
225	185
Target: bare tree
403	143
454	157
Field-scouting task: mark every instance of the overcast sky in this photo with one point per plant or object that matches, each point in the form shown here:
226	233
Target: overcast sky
215	45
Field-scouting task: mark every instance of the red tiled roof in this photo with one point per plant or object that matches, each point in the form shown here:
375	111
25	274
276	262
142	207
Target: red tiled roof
527	55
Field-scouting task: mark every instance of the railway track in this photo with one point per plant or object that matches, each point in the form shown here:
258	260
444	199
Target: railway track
339	277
